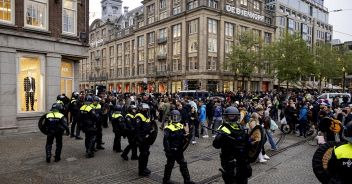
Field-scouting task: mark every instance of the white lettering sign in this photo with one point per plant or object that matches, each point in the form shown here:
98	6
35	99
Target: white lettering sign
244	13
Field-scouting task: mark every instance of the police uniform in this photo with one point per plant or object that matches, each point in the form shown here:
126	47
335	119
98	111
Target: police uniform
174	135
234	145
74	109
118	122
130	128
143	130
55	124
99	137
88	120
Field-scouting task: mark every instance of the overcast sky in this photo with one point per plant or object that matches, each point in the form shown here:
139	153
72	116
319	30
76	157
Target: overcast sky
340	20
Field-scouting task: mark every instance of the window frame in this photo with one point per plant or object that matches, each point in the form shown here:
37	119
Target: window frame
12	21
75	19
46	2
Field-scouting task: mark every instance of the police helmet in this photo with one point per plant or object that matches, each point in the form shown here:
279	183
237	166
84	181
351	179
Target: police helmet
75	95
232	114
347	132
132	109
96	99
60	97
144	108
175	116
117	108
56	107
89	99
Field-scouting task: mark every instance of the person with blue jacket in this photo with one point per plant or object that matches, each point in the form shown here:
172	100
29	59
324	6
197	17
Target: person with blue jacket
203	118
303	120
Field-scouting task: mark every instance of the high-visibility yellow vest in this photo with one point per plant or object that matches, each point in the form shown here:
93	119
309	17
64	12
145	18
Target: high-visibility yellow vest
174	126
144	119
343	151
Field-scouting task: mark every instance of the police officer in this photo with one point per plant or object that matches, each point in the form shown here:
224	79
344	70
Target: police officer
233	142
98	111
340	164
118	126
174	135
74	111
143	131
55	124
130	132
88	120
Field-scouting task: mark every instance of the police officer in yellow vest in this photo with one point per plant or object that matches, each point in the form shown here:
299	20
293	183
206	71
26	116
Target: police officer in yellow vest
174	136
118	126
55	124
98	111
340	164
130	132
234	143
74	107
87	121
143	131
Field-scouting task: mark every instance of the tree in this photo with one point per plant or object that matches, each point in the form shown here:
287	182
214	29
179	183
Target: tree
291	58
245	56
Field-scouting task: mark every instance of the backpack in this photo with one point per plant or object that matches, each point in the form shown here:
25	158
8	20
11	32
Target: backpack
335	126
218	111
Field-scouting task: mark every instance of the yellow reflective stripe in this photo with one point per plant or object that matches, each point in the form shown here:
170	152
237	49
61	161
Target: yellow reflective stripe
174	127
115	115
86	108
98	106
130	115
144	119
73	100
225	130
343	151
60	102
56	115
235	127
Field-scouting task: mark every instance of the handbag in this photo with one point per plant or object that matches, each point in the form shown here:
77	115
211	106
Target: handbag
273	125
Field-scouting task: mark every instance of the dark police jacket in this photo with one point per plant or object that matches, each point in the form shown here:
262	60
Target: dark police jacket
174	135
55	123
88	118
340	164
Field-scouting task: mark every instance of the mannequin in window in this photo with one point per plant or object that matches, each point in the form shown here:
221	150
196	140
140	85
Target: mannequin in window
29	89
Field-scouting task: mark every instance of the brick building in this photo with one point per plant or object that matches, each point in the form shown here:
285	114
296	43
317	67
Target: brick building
41	42
173	45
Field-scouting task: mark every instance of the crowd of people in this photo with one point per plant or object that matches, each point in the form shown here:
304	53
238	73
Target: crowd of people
220	116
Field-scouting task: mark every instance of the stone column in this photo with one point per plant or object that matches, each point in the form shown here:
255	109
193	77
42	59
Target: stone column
8	90
75	77
52	79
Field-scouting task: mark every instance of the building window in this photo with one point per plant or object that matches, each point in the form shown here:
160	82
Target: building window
256	5
212	44
177	10
30	83
244	2
150	9
176	48
229	29
66	77
162	33
212	63
141	55
228	46
163	4
267	37
141	41
193	45
192	4
193	27
151	38
163	15
213	3
150	20
69	16
6	11
176	29
151	54
36	13
212	26
176	65
193	63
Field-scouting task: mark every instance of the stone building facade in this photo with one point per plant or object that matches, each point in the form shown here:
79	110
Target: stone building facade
174	45
41	43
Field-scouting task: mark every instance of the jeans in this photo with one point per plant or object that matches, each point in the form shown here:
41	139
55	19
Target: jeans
269	134
205	130
217	123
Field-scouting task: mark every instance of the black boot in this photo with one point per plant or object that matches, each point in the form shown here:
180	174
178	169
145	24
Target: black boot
144	172
125	157
48	152
58	153
167	174
185	174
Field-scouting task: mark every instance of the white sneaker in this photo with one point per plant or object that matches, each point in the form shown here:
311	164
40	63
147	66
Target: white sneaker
194	142
262	160
205	136
266	157
213	136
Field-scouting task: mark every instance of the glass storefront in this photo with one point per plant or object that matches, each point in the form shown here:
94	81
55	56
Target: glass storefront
30	84
228	86
67	77
176	86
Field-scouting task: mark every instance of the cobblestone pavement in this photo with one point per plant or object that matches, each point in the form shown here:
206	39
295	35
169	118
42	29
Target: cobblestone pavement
22	159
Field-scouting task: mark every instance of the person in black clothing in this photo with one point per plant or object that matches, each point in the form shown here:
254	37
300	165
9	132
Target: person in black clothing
118	127
130	132
235	164
74	111
174	135
55	124
143	131
87	121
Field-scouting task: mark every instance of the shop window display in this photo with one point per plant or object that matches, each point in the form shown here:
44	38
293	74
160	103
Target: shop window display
30	83
66	77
